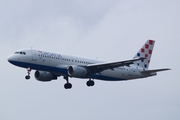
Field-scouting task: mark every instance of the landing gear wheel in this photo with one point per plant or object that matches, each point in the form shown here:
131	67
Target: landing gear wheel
27	77
90	83
68	86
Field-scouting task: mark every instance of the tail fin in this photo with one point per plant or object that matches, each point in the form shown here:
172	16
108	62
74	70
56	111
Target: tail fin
145	51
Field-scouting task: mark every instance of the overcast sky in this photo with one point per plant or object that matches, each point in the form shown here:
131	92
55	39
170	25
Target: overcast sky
103	29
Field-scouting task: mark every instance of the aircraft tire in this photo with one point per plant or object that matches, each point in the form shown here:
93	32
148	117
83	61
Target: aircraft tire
90	83
27	77
68	86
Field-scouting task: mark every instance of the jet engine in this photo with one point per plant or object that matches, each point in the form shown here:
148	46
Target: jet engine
44	76
77	71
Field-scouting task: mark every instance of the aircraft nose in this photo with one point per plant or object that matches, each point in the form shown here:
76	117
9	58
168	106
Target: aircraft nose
10	58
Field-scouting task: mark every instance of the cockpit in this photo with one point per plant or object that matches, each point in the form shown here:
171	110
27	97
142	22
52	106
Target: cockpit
20	52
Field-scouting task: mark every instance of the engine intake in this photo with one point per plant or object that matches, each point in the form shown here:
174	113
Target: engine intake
77	71
44	76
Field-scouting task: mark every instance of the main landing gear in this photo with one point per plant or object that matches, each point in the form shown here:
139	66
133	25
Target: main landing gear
67	85
90	83
28	71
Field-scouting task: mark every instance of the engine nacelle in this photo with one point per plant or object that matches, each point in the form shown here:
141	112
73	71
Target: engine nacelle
77	71
44	76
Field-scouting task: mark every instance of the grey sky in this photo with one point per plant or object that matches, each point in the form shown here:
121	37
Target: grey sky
110	30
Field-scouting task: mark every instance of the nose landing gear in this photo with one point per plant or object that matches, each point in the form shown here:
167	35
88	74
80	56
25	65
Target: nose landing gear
28	71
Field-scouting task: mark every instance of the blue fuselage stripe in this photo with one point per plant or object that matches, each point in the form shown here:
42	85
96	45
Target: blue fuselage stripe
62	71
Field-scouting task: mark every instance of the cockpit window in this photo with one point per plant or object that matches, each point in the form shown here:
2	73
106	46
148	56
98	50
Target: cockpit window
21	52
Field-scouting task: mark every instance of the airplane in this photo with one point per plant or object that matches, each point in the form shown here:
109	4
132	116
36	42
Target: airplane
49	66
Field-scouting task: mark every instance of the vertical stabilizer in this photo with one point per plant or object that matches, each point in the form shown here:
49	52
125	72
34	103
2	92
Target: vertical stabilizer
145	52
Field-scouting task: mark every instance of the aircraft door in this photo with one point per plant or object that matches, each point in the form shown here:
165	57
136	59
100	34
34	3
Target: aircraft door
131	71
34	55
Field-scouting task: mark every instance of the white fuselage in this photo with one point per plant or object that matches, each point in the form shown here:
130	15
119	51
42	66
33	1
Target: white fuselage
58	64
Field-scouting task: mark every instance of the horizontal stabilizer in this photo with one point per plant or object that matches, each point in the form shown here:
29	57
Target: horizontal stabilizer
154	71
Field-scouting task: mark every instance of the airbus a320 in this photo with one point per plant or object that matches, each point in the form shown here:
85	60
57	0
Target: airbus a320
49	66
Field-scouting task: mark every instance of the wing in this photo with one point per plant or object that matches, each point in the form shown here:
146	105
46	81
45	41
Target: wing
99	67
